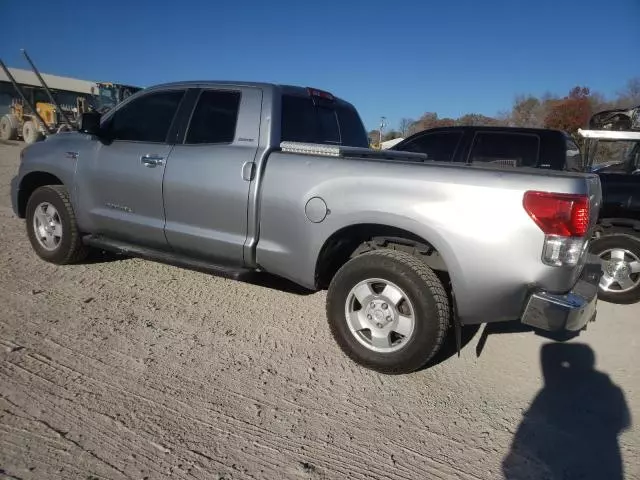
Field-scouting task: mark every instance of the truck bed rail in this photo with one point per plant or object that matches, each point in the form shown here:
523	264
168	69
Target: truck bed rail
344	151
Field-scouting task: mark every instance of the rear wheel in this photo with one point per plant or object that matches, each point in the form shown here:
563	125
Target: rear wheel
388	311
8	127
620	256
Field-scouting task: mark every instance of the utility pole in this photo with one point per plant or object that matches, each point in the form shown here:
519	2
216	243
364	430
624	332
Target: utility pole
383	123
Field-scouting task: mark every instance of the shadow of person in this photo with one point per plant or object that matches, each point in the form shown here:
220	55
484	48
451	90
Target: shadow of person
571	429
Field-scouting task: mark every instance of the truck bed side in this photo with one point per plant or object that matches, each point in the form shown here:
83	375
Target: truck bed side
473	216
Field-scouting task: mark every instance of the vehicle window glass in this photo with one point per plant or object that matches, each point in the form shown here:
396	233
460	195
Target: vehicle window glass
635	157
612	156
215	117
505	149
328	123
146	119
574	157
302	121
352	131
439	146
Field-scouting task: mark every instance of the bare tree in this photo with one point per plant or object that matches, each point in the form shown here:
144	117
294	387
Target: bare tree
405	125
630	95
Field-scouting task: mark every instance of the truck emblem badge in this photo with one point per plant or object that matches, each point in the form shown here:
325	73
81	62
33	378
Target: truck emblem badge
119	207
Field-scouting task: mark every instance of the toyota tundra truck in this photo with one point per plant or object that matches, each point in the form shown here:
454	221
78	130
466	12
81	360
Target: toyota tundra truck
239	178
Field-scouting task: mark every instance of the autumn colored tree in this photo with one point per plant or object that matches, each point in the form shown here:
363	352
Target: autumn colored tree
548	110
570	113
431	120
476	119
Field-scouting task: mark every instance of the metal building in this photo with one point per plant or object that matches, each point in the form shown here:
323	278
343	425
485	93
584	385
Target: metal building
67	89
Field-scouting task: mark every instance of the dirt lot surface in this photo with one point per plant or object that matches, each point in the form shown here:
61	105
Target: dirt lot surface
128	369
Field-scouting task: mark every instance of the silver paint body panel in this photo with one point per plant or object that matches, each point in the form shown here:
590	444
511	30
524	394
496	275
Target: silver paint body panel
199	204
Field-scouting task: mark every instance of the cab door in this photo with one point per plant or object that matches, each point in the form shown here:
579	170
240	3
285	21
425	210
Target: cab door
206	183
121	187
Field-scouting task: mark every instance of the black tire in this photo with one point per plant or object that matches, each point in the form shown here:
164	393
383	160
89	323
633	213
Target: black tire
70	248
423	289
619	241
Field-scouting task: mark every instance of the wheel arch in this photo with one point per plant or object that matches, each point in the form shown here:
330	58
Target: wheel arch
29	184
352	240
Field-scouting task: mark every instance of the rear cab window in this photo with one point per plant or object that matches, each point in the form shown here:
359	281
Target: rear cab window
505	149
314	119
439	146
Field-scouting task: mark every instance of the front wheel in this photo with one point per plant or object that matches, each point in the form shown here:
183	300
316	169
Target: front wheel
30	132
52	228
620	257
388	311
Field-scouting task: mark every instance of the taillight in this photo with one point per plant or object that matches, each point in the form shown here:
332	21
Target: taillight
564	218
560	214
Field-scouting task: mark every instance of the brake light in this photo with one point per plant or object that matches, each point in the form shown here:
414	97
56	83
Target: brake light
564	218
560	214
314	92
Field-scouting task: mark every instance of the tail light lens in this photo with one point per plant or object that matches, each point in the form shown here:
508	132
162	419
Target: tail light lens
564	218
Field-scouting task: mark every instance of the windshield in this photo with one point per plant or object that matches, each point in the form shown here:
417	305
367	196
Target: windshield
612	153
107	98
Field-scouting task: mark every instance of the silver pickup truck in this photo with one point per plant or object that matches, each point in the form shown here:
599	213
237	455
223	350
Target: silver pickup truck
246	177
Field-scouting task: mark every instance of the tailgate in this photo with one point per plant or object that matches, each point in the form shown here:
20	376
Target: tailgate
594	190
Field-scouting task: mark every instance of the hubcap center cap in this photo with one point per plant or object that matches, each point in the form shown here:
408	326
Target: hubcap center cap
379	313
618	270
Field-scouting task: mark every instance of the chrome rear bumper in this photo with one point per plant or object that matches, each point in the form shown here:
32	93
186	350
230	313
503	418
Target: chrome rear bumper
571	311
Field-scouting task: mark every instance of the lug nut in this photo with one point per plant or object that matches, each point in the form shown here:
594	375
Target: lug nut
385	306
388	319
372	305
379	325
369	317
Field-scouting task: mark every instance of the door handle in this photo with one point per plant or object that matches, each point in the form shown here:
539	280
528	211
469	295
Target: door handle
150	160
248	171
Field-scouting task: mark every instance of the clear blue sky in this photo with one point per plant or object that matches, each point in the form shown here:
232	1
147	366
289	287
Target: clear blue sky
397	59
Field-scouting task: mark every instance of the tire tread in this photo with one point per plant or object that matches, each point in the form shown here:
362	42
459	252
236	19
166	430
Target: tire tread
78	250
431	282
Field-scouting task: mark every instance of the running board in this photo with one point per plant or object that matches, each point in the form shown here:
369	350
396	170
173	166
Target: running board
169	258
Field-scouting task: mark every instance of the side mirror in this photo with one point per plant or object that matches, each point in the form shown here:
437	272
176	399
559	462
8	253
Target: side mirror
90	123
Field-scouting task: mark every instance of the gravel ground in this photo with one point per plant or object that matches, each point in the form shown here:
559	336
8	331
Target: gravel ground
128	369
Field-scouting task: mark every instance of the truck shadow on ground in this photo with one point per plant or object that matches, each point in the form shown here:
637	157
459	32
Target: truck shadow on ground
449	348
260	279
273	282
571	428
102	256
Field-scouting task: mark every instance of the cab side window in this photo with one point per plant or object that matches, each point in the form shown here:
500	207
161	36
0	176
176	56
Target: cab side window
439	146
215	117
146	119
